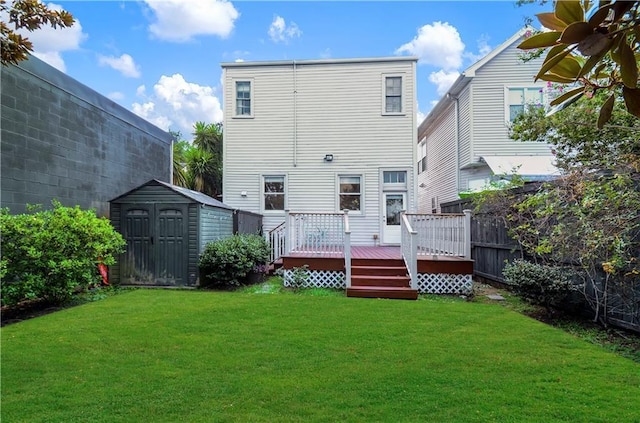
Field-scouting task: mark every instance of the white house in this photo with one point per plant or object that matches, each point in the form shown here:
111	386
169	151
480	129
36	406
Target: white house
463	142
321	136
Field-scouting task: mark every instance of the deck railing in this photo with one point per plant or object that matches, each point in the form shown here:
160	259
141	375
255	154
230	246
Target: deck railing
408	245
442	234
347	249
277	242
320	233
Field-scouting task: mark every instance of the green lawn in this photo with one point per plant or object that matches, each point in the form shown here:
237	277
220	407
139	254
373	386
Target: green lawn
192	356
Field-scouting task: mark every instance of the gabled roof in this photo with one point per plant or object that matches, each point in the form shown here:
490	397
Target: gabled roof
465	78
188	193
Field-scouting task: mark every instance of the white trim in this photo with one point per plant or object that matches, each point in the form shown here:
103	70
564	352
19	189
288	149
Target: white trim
360	212
506	104
234	95
403	94
286	194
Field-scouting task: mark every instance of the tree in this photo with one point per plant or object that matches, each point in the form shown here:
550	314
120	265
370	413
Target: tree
594	46
29	15
208	164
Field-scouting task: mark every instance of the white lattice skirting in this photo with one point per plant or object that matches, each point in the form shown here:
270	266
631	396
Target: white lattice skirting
444	283
317	279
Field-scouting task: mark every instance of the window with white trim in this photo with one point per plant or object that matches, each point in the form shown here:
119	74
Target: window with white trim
393	94
422	154
243	98
518	98
273	188
350	192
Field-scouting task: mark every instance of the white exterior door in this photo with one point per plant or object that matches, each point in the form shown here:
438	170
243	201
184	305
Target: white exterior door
393	204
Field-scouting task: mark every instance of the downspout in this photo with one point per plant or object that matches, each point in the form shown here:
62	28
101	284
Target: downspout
457	135
295	116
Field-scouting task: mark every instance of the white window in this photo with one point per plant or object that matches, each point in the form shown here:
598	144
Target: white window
243	97
393	94
518	98
422	154
350	192
273	189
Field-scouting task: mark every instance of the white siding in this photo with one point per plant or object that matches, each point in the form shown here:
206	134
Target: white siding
338	110
490	127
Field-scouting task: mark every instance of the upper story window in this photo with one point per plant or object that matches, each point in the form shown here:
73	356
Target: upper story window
243	98
422	155
350	196
518	98
393	94
274	193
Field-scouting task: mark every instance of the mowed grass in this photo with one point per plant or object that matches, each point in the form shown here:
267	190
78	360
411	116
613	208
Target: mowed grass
192	356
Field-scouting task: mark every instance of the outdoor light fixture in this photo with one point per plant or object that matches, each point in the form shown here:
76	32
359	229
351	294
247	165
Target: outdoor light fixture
243	193
328	157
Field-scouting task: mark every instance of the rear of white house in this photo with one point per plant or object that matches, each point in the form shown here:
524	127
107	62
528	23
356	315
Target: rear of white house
321	136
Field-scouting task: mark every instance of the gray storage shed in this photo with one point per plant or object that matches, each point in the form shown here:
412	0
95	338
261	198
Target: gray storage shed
166	228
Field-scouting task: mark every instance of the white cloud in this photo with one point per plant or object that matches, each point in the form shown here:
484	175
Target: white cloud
180	20
438	44
116	95
177	104
443	80
325	54
49	43
279	31
123	64
483	49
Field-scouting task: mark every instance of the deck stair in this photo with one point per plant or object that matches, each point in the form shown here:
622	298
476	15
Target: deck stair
380	278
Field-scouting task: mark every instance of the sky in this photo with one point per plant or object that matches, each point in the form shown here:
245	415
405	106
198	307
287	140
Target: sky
161	58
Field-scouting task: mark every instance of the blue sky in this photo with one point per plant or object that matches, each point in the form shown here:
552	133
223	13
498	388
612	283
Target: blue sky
161	58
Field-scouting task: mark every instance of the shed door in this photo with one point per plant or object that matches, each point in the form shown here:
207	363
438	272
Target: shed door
157	244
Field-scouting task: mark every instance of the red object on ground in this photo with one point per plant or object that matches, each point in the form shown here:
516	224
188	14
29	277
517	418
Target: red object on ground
104	273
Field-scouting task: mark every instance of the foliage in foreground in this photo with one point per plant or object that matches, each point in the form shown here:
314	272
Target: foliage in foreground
548	286
50	254
227	262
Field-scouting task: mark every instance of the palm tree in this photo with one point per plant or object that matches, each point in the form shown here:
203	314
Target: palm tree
180	170
208	138
200	165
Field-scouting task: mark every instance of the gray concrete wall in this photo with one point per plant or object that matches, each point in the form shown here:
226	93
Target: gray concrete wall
61	140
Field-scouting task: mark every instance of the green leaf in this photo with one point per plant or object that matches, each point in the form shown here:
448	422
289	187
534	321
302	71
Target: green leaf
542	40
549	20
575	33
605	111
552	77
592	61
566	96
601	14
568	67
569	11
628	66
632	100
560	51
620	8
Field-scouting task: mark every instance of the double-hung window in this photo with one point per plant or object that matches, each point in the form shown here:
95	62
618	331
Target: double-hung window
393	94
422	154
350	193
243	98
274	193
519	98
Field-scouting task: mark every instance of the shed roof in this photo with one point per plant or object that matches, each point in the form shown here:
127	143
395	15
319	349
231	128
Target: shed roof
188	193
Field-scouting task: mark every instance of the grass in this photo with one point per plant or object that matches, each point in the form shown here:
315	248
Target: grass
193	356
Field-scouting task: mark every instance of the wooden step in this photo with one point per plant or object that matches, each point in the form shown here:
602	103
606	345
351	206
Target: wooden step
377	262
379	270
382	281
382	292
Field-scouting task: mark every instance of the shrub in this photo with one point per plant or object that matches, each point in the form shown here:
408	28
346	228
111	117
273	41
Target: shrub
227	262
548	286
50	254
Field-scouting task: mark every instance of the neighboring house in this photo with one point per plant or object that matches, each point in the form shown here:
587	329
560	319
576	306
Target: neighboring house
62	140
321	136
463	143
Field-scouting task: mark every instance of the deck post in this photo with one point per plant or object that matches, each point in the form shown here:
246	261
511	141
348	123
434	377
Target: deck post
467	233
347	250
288	230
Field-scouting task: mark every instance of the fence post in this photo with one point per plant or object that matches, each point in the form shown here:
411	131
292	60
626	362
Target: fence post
467	233
288	231
347	250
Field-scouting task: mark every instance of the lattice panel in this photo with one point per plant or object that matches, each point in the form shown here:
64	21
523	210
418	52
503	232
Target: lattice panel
444	283
318	279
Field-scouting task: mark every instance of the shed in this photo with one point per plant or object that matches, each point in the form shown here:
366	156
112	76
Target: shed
166	228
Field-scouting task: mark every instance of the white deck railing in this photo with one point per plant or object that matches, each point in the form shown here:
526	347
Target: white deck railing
277	242
442	234
409	249
320	233
347	249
